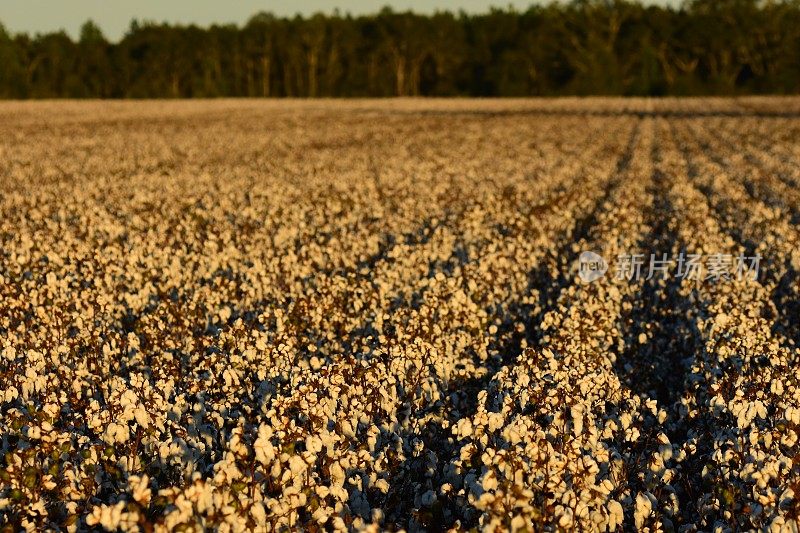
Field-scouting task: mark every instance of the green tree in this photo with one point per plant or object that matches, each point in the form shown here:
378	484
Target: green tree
580	47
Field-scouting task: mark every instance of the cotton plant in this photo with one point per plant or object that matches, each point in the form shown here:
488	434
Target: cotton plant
207	327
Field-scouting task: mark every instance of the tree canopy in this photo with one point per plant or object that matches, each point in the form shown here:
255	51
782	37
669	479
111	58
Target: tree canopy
603	47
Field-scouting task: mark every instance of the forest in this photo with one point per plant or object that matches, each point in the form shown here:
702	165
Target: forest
583	47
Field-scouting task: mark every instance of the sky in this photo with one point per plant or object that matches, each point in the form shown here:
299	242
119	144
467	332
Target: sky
114	16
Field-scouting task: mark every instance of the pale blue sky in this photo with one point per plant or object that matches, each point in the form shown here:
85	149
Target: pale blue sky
114	16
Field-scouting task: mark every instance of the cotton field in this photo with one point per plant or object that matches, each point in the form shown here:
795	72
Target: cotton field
375	315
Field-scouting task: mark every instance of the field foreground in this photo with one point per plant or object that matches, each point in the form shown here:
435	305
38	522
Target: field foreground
360	315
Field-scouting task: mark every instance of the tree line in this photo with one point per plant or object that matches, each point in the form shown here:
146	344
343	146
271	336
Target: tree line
604	47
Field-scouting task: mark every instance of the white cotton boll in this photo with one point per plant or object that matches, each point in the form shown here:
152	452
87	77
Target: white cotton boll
576	411
337	475
722	320
642	511
142	417
11	394
224	314
108	517
489	482
372	441
297	465
116	433
347	429
513	436
743	420
605	487
484	501
518	523
141	489
382	485
38	508
464	428
95	516
761	409
340	493
10	353
258	513
625	419
34	433
496	421
265	451
778	525
313	444
230	377
27	389
566	520
321	515
615	515
163	450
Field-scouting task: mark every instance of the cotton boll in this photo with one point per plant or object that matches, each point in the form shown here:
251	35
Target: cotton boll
642	510
615	515
142	417
337	474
